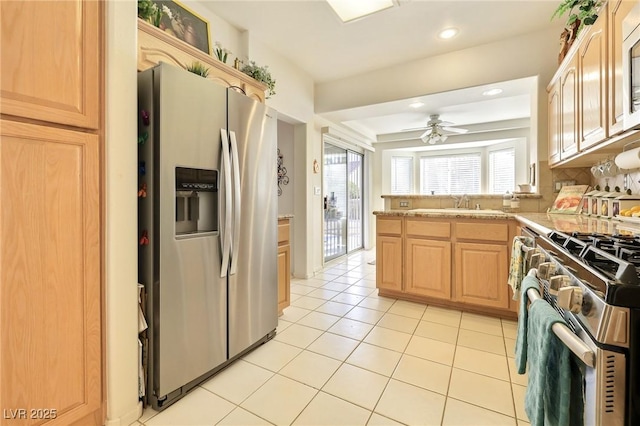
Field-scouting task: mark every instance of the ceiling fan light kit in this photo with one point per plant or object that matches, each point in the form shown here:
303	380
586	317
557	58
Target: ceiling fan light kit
433	137
434	133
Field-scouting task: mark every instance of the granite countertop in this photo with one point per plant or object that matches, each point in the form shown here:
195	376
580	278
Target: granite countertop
542	223
447	213
568	223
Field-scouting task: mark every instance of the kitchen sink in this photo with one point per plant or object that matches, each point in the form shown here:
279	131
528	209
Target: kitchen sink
458	211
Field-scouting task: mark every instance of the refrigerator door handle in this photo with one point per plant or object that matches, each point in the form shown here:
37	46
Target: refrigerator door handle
226	229
236	201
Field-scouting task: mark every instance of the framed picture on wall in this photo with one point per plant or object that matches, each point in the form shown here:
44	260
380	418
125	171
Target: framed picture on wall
185	24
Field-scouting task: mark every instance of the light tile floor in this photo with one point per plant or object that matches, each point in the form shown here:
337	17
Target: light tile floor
345	356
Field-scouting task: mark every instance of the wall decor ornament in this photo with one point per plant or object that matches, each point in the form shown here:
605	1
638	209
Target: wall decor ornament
283	179
178	20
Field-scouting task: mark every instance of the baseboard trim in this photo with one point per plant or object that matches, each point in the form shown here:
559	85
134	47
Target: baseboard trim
128	418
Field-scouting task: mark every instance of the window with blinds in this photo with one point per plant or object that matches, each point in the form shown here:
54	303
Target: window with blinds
401	175
451	174
502	171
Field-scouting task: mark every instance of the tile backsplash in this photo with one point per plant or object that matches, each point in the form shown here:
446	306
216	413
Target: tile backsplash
578	175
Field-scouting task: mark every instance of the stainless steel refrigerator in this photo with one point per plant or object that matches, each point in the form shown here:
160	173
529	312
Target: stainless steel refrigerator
207	227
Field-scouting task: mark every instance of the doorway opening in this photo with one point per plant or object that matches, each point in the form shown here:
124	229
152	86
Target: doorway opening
343	201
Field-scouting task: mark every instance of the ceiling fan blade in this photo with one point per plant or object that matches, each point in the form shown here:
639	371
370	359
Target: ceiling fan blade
415	128
455	129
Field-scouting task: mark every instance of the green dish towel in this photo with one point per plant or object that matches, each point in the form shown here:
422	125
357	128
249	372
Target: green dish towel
523	319
548	396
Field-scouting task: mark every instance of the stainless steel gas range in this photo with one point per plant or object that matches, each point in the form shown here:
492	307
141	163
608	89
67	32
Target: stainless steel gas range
592	280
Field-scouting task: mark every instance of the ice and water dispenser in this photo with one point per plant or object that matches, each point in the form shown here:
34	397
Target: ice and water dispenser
196	201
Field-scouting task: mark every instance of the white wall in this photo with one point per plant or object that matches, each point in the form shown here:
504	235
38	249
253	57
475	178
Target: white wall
286	147
121	224
513	58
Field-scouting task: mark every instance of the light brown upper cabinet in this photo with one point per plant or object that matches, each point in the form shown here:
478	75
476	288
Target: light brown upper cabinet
593	84
618	9
50	55
554	108
569	109
588	90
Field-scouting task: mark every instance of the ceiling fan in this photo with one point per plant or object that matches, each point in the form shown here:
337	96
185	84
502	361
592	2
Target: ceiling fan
436	128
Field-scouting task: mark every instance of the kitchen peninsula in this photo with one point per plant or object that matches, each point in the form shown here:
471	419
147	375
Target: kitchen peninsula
459	258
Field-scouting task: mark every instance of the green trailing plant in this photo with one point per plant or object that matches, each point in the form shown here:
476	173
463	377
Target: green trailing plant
581	12
198	68
260	74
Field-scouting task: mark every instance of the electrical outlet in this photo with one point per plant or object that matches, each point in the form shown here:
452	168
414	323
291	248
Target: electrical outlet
316	190
404	204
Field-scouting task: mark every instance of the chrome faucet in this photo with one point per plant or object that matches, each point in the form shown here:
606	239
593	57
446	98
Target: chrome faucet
457	201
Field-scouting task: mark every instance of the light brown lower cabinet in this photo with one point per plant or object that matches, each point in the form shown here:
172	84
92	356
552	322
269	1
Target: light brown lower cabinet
455	262
428	268
50	283
284	265
389	262
479	268
389	268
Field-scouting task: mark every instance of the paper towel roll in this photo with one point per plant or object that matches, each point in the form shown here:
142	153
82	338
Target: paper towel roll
629	160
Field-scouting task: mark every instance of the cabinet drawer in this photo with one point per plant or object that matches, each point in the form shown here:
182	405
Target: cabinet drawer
483	231
389	226
423	228
283	232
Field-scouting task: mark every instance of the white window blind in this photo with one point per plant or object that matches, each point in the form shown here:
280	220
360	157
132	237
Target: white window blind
502	170
401	175
452	174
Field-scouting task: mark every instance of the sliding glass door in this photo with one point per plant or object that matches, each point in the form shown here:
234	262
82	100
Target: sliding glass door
343	201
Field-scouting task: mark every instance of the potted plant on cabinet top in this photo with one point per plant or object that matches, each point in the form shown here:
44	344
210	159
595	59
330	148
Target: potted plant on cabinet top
581	13
262	75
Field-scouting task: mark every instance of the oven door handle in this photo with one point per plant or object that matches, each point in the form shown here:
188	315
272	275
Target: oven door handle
571	341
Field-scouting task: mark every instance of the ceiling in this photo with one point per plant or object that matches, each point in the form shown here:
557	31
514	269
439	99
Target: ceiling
310	34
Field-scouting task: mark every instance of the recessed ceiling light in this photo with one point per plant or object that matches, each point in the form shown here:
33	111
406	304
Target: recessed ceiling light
492	92
448	33
416	104
348	10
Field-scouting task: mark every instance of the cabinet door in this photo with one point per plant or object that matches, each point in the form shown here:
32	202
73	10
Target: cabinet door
569	109
428	268
481	274
284	286
50	309
389	263
593	100
618	10
555	131
50	54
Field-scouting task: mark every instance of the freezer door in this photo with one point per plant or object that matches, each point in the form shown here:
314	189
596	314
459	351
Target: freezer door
190	322
253	274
